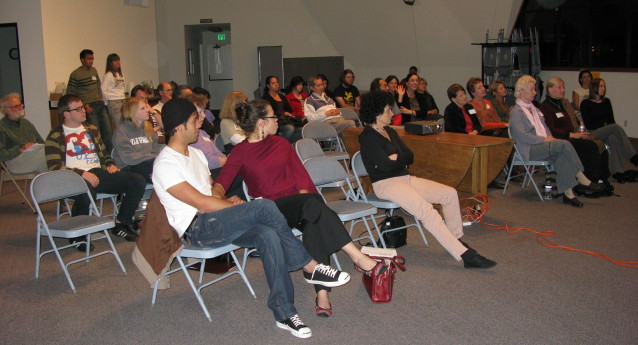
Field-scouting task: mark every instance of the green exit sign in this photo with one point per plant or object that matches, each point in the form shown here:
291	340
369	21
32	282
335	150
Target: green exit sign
221	37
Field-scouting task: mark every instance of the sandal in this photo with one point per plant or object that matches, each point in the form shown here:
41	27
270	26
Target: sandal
322	312
377	270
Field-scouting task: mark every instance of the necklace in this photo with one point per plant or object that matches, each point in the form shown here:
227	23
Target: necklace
558	106
380	130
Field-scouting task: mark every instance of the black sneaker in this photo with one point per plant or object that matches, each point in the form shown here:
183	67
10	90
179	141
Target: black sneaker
326	276
295	326
472	259
79	244
125	231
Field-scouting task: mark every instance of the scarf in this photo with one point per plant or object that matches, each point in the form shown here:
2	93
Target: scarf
533	116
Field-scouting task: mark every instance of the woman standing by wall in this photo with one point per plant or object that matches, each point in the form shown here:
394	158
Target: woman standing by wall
113	88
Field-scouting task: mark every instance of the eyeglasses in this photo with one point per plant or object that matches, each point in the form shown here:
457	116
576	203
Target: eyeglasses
270	117
14	107
78	109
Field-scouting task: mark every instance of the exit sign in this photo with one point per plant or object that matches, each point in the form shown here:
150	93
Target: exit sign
221	37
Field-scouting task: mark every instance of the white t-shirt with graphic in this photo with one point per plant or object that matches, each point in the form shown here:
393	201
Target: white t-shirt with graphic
81	152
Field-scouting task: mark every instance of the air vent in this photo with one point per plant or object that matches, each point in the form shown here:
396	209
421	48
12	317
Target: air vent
138	3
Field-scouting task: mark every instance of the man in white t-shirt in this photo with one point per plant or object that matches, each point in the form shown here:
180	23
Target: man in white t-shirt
76	145
183	184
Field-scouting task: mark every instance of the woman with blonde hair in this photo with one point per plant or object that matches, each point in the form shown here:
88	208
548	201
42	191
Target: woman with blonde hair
535	142
135	143
231	133
498	91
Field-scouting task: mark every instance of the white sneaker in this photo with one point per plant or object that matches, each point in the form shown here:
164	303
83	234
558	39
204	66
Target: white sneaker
295	326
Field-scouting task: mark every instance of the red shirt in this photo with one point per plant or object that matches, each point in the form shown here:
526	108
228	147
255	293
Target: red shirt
270	168
296	104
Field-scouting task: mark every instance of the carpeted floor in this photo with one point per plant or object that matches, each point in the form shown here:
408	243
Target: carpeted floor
536	295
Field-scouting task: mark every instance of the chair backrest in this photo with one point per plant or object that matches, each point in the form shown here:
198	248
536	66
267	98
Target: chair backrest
308	148
219	143
319	131
58	184
359	171
324	170
350	114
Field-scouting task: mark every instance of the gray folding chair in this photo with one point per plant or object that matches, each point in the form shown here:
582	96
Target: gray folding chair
307	148
295	232
325	170
202	254
17	177
61	184
326	133
529	167
360	171
350	114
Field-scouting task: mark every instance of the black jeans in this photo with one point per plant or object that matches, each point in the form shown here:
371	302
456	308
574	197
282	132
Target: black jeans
128	183
145	169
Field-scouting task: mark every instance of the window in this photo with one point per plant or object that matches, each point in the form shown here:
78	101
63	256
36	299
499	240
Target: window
583	33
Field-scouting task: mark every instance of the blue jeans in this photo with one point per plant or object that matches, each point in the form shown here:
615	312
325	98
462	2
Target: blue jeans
258	224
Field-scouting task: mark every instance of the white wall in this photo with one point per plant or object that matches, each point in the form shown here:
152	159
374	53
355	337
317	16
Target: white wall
619	90
104	27
253	23
28	16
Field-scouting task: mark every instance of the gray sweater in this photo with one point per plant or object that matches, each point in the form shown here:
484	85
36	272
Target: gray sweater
131	146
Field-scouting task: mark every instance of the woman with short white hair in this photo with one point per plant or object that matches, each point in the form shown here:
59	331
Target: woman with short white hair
535	142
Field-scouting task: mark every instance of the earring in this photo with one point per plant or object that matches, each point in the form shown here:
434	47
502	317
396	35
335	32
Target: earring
262	133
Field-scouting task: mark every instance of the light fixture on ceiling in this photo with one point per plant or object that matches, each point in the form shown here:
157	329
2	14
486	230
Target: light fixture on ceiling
409	2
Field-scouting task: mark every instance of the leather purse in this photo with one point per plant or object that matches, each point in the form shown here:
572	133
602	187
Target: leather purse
393	239
380	287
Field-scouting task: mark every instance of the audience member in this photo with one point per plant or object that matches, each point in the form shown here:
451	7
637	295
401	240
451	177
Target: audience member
560	119
183	91
272	170
229	130
141	91
76	145
326	85
422	88
386	158
321	108
165	90
459	115
282	109
182	182
85	83
581	93
21	146
296	96
208	123
346	94
135	143
415	106
535	142
499	92
485	112
114	88
598	116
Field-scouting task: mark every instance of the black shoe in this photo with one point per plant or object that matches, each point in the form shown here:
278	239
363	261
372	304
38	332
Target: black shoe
620	177
592	187
472	259
496	185
125	231
573	201
634	160
79	245
295	326
465	245
326	276
580	190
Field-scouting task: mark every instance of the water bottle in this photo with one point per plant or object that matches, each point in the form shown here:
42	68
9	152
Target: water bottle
582	128
547	190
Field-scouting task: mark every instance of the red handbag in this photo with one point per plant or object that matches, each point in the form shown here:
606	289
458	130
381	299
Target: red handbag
380	287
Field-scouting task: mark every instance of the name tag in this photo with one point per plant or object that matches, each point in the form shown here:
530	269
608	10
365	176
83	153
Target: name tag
472	111
93	78
559	115
487	106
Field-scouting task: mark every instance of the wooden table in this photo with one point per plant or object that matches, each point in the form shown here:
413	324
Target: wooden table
466	162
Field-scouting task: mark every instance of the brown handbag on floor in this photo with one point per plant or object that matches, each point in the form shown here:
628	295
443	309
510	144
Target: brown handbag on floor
380	287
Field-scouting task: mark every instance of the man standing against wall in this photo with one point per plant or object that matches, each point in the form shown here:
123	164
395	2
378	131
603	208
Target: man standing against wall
85	83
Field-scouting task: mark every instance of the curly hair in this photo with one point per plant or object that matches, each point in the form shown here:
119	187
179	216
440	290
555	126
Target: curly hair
453	90
522	83
373	104
248	114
